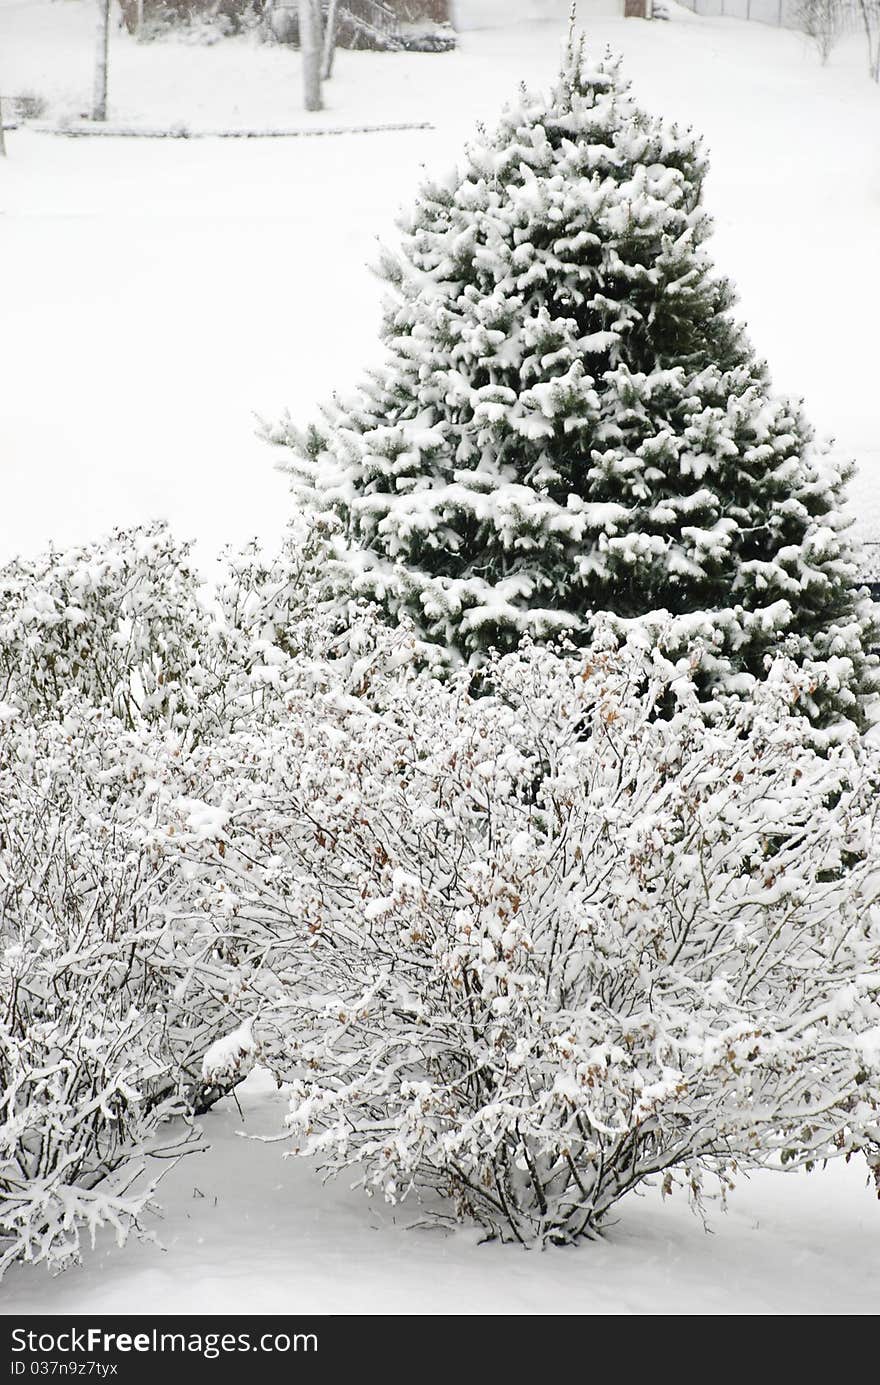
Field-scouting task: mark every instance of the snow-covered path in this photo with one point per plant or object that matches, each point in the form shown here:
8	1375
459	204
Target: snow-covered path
248	1232
158	294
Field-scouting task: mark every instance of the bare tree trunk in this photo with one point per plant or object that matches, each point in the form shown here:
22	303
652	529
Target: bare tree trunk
2	137
140	16
330	38
99	101
872	34
310	47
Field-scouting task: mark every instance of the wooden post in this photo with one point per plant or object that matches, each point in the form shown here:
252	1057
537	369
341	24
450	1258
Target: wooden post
310	47
99	101
330	38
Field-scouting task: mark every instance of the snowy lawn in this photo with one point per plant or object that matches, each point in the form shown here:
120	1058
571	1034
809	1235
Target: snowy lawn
247	1232
157	295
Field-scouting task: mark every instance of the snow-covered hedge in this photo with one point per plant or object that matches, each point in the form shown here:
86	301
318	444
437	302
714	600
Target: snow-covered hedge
515	953
117	676
88	1077
527	950
129	626
119	622
205	20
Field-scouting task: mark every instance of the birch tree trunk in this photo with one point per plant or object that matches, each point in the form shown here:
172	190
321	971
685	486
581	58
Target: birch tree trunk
310	47
330	38
99	101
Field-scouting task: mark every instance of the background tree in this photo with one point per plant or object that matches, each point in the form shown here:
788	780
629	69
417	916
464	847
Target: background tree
822	21
870	13
312	55
102	40
330	39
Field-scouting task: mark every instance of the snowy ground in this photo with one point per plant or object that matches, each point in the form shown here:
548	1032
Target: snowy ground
247	1232
158	294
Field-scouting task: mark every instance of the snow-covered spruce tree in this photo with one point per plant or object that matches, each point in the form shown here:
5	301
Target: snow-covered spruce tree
569	419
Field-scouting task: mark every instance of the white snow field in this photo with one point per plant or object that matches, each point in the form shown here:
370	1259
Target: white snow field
157	294
246	1231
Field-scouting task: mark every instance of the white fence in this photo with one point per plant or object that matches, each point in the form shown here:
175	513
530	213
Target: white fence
766	11
781	12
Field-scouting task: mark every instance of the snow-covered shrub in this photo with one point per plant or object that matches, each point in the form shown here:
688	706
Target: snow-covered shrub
29	105
570	420
118	621
204	21
88	1073
528	950
823	22
521	950
272	610
127	624
113	984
